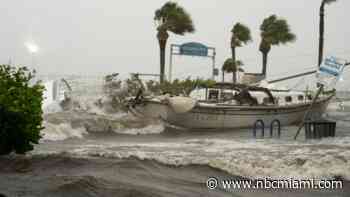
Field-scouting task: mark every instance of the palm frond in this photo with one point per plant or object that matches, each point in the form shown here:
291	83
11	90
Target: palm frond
275	31
229	66
329	1
240	34
174	18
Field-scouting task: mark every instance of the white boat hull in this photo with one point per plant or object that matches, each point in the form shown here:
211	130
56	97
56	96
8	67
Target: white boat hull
223	117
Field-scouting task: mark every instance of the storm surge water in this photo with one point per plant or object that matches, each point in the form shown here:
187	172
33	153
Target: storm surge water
89	150
90	106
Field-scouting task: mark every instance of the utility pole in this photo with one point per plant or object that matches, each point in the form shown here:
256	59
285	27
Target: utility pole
321	36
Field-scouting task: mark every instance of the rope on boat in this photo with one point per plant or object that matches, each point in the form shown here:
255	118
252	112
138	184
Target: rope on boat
299	83
320	90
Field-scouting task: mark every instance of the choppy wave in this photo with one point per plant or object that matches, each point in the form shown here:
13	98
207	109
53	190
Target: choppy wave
244	157
63	175
95	177
72	124
90	107
248	158
53	107
55	132
149	129
251	158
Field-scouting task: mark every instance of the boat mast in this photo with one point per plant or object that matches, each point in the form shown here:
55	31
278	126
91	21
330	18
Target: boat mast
293	76
297	75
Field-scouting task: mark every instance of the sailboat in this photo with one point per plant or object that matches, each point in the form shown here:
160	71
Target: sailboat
227	105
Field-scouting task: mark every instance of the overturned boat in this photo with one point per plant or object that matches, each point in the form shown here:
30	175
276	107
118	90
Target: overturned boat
227	105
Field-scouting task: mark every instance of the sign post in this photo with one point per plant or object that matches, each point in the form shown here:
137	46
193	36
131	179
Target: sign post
192	49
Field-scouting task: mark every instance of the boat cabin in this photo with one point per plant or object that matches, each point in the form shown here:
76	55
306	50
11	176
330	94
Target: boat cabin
248	95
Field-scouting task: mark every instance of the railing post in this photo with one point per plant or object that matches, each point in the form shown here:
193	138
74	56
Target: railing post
272	126
256	124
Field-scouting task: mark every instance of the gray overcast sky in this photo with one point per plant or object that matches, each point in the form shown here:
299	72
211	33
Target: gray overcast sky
97	37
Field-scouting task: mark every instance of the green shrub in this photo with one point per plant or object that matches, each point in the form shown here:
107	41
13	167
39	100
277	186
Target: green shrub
178	87
20	110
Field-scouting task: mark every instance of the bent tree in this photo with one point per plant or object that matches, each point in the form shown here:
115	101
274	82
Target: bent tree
170	18
274	31
240	36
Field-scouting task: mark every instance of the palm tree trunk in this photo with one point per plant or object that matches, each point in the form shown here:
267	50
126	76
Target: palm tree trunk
162	39
162	45
234	77
321	41
234	73
223	76
264	63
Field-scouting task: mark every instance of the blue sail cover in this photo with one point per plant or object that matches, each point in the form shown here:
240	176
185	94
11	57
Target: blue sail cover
330	71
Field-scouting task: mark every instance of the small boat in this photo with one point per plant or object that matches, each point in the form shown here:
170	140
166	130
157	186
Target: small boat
227	105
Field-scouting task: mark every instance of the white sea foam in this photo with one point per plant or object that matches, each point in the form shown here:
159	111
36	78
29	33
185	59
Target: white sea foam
53	132
299	161
338	105
150	129
248	158
53	107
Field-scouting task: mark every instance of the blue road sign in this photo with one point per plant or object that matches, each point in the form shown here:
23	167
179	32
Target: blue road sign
194	49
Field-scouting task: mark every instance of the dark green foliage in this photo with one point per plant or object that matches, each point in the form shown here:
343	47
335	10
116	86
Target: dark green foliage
274	31
240	35
20	110
174	18
178	87
230	66
328	1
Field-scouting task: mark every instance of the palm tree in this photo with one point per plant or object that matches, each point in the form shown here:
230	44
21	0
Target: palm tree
171	17
223	73
321	42
230	66
274	31
240	35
